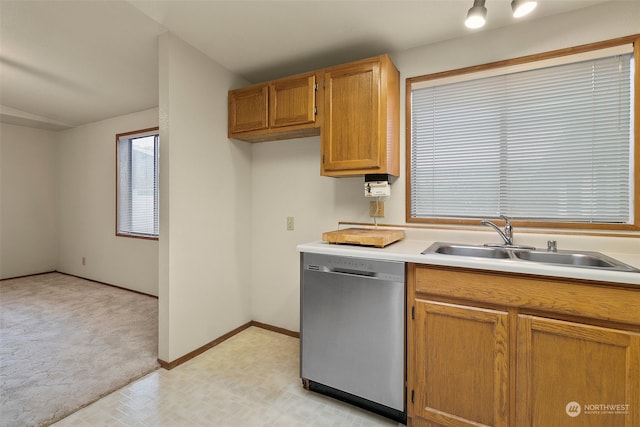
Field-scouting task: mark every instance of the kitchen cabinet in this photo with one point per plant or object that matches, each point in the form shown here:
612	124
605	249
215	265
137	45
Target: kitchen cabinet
280	109
355	108
360	132
464	346
248	110
564	368
496	349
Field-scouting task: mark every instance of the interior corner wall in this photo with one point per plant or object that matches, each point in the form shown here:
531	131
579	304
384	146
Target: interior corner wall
27	201
205	204
286	182
86	207
286	174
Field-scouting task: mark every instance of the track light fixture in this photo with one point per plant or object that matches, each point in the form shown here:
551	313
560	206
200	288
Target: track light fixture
522	7
476	17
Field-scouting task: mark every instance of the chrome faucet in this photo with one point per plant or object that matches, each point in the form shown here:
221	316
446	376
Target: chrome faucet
507	235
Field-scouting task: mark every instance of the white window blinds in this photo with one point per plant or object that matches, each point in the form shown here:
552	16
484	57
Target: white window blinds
138	176
547	144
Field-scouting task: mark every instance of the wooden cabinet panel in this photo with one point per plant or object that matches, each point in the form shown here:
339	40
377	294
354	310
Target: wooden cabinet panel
280	109
566	352
578	298
248	109
566	371
360	131
351	102
292	101
462	373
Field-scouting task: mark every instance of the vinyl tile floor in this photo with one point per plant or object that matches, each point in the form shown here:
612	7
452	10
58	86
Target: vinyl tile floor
251	379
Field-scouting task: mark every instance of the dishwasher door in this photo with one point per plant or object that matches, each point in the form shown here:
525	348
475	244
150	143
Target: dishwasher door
353	327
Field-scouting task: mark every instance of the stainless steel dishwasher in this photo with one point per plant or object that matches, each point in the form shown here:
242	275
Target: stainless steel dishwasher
352	331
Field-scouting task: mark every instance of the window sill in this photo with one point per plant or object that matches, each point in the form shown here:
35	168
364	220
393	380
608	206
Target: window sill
137	236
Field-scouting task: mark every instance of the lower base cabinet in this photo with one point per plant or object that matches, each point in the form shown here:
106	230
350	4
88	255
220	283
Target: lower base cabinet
576	374
468	347
490	349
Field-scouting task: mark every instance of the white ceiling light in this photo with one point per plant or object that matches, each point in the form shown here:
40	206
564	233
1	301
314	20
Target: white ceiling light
522	7
476	15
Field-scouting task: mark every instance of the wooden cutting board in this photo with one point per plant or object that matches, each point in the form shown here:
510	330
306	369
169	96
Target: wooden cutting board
363	237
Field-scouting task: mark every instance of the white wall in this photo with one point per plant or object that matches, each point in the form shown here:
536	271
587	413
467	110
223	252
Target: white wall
286	182
205	197
27	202
86	207
286	178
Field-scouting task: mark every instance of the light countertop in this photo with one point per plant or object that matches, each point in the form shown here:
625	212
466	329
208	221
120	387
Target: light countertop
410	248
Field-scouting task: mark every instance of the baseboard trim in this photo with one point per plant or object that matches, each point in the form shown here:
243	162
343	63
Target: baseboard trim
28	275
108	284
277	329
179	361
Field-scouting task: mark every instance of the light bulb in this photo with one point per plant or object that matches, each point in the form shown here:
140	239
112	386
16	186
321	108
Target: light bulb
522	7
476	15
475	21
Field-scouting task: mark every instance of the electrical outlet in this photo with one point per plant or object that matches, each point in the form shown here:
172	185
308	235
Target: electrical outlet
289	223
376	209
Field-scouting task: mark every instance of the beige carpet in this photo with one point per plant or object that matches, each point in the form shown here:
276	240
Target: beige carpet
65	342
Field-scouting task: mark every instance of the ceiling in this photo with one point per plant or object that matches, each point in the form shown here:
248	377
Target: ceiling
67	63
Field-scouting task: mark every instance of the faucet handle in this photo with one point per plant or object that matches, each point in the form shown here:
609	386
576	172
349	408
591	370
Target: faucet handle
552	246
508	229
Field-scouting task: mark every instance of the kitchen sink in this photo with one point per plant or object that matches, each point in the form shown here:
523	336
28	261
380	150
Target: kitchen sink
581	259
475	251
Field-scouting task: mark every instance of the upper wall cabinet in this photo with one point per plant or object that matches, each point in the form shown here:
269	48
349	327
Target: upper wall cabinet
355	107
280	109
360	131
248	110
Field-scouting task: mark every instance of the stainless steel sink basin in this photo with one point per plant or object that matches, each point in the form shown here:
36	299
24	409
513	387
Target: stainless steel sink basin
574	259
566	258
468	250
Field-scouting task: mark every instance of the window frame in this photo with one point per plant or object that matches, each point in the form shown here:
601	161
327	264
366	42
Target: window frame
119	233
635	226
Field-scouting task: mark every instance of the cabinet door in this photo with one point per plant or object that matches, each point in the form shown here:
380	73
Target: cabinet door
292	101
351	134
568	373
248	109
458	366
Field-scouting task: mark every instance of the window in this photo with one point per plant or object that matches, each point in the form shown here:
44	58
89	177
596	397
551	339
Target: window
137	183
549	142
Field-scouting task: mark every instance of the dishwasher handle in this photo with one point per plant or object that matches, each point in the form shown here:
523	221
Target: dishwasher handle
363	274
351	272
